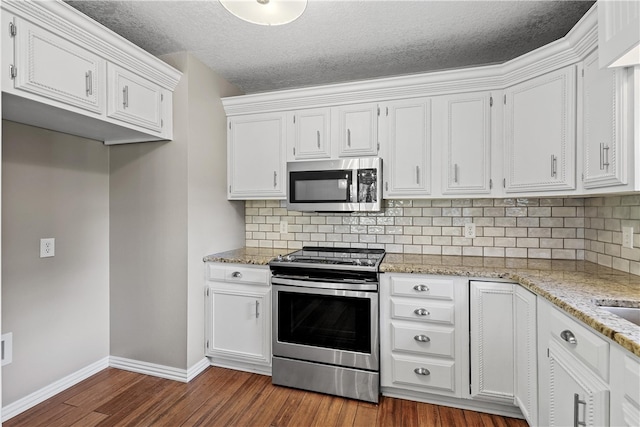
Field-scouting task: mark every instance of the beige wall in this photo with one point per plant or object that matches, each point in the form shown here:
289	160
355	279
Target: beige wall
53	185
168	210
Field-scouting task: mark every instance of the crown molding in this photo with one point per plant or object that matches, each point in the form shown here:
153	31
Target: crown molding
569	50
58	17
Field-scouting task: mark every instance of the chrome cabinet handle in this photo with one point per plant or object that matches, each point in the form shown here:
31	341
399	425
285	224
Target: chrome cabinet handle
422	338
455	173
554	165
275	179
386	186
568	336
417	174
421	312
88	82
605	155
257	309
576	409
236	275
421	288
318	137
125	97
349	137
422	371
601	155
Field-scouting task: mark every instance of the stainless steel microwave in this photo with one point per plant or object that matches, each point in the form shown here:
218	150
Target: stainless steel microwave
344	185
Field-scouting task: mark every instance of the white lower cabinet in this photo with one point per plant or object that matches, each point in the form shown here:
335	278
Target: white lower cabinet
238	311
424	334
625	388
492	348
573	371
525	353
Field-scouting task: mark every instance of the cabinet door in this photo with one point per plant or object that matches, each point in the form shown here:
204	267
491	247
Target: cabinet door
463	126
355	127
239	325
134	99
604	138
57	69
407	138
256	156
311	138
618	35
491	330
575	395
539	135
525	354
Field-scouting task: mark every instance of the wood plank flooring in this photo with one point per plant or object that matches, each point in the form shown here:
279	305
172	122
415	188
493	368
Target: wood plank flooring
223	397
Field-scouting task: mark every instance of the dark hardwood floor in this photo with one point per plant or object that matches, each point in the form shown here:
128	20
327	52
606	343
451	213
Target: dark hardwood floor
223	397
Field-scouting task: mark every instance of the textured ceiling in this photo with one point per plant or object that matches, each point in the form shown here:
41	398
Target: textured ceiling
338	40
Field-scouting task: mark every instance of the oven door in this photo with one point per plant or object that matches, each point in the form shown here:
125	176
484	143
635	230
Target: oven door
332	326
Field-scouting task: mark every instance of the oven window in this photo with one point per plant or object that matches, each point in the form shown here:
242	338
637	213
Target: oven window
320	186
336	322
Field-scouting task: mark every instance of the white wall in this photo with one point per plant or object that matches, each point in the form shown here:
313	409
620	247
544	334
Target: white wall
53	185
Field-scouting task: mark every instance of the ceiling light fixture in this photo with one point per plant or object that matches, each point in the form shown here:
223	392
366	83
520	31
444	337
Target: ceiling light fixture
266	12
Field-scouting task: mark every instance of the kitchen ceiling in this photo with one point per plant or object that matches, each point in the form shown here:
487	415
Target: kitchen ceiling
340	40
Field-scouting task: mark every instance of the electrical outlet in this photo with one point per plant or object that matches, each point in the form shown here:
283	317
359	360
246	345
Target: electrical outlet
470	230
6	348
627	237
47	247
284	227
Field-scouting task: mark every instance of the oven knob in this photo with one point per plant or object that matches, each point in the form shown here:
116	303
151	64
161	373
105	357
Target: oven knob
357	261
288	258
279	258
369	262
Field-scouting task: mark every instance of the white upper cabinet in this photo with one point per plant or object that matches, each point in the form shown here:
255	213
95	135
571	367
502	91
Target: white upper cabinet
540	121
619	33
311	135
256	160
66	73
134	99
462	128
406	135
355	128
55	68
604	134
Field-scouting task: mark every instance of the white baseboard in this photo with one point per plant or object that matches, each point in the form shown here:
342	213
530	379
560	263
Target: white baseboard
182	375
21	405
162	371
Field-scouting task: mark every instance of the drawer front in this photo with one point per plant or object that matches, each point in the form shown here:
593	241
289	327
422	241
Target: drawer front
587	347
422	287
426	374
632	383
236	273
423	340
422	311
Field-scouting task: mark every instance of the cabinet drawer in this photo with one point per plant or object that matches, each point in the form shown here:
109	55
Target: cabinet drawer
422	340
434	374
422	288
423	311
238	274
587	347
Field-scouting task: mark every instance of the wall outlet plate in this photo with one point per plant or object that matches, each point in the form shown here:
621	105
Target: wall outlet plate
470	230
627	237
47	247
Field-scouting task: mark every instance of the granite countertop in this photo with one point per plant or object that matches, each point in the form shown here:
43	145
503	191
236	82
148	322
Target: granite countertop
577	287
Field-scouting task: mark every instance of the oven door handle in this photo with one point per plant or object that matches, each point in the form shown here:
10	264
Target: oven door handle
372	287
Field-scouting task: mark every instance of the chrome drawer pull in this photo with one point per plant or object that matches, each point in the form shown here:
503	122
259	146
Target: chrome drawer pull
422	371
421	288
422	338
236	274
421	312
576	410
568	336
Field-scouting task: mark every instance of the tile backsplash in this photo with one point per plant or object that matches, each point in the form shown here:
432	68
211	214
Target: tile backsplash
549	228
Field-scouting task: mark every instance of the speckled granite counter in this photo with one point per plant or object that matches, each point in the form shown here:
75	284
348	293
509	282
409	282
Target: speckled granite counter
577	287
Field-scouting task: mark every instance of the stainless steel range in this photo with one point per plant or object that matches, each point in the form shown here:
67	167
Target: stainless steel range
325	321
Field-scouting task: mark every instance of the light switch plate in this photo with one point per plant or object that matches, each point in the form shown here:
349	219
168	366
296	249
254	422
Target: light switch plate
627	237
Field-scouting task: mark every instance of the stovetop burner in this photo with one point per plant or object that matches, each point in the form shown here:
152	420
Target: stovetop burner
328	257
